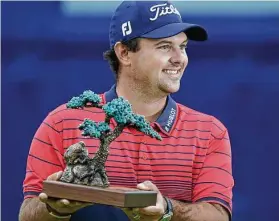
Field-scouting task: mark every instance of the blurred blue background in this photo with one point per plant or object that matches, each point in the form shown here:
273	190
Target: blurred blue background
53	50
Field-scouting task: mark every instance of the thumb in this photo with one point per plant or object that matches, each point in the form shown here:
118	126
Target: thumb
55	176
43	197
147	185
142	186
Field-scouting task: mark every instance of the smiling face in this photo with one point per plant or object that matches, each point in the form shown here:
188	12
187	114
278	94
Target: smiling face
159	64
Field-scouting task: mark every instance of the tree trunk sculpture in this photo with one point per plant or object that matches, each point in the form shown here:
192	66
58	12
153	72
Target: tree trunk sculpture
80	168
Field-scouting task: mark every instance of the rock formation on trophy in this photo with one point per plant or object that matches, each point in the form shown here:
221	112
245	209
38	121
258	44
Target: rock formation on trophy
84	170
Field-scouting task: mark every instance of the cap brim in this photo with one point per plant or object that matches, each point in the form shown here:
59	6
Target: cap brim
194	32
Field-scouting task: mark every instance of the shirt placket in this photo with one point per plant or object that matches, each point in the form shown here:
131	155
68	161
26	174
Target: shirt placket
144	168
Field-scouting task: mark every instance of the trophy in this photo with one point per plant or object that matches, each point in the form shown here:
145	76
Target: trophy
85	178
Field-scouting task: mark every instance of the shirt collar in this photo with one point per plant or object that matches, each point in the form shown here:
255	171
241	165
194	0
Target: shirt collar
166	120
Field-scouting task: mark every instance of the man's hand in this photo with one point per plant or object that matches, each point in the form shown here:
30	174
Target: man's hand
150	213
62	206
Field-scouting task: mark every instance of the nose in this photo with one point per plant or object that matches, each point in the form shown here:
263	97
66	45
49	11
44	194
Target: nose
178	56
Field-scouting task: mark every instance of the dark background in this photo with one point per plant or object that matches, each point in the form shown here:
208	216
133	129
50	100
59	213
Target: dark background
50	55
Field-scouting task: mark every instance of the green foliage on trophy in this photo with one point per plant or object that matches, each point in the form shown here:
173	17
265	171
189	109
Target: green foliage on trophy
80	168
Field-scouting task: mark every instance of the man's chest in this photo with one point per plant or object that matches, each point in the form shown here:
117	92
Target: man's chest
134	158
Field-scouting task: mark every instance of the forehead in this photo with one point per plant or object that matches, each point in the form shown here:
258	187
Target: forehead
176	39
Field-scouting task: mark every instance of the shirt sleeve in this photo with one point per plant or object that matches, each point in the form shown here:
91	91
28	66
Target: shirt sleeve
215	180
45	157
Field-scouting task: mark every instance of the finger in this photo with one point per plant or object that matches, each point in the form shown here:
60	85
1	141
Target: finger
59	174
136	214
147	185
149	217
55	176
63	203
80	204
151	211
76	204
43	197
132	213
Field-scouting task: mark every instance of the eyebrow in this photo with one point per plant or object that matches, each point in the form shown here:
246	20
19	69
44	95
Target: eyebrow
169	42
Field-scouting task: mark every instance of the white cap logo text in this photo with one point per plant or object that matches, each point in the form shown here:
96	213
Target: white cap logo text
126	28
162	9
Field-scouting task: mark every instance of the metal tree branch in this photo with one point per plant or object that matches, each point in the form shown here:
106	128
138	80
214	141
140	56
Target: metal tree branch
91	171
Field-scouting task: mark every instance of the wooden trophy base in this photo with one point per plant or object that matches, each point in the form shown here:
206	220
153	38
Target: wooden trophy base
113	195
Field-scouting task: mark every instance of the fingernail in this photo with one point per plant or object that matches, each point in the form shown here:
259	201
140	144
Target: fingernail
58	174
65	202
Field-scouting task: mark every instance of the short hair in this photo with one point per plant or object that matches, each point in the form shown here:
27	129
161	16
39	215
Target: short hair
111	57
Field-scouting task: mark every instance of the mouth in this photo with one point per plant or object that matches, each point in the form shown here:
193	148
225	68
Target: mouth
172	72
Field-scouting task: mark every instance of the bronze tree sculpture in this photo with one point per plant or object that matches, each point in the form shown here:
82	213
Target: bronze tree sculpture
80	168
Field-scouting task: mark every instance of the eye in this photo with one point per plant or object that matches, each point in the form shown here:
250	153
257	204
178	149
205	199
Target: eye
165	47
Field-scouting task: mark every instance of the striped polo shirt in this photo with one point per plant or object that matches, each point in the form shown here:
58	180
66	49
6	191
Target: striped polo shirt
192	163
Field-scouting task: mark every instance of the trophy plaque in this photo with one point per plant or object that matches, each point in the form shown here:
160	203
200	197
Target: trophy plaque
85	178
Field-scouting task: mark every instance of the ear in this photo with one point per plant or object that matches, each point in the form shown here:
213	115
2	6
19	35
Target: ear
122	54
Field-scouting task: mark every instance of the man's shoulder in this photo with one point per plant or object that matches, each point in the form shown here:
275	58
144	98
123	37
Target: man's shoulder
59	109
192	115
63	112
190	112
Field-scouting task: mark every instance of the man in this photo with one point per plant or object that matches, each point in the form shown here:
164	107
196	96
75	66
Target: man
190	169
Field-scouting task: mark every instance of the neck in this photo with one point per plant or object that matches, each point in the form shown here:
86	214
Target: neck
143	101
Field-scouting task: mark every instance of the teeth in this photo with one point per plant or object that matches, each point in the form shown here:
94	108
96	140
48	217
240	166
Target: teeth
170	71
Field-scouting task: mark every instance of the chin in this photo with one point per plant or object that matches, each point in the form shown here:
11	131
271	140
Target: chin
171	88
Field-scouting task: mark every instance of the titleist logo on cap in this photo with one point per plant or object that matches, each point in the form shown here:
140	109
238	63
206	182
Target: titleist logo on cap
161	10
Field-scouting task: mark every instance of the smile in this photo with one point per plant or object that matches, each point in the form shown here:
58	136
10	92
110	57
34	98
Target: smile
171	71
